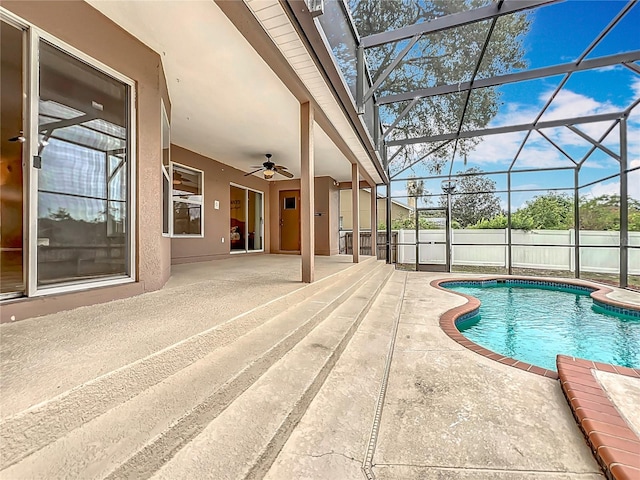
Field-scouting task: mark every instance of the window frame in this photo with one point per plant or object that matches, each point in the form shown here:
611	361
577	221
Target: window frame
246	212
175	200
31	54
167	198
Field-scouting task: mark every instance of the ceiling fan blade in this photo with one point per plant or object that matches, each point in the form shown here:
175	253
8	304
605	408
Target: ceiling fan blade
284	173
280	167
256	166
251	173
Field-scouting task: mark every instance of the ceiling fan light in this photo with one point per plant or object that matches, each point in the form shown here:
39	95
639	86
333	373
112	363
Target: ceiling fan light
269	173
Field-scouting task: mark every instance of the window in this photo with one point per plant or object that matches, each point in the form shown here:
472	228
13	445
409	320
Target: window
290	203
166	177
187	194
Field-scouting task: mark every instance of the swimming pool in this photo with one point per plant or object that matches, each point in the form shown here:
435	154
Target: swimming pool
535	321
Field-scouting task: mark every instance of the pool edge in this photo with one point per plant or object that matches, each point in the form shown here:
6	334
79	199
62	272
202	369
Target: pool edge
613	443
449	318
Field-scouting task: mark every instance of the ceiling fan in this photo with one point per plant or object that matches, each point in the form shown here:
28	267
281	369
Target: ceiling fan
269	169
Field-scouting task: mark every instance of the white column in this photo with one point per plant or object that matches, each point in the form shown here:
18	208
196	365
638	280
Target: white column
307	245
355	205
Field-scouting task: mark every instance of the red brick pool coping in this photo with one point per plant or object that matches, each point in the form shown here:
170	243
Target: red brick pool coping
614	445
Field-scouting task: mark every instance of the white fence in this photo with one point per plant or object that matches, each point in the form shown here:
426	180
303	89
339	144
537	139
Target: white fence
531	249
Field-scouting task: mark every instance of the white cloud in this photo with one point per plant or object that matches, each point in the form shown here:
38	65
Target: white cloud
613	187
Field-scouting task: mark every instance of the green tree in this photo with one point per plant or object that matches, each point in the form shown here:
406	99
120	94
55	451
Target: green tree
415	188
551	211
518	222
603	213
475	198
445	57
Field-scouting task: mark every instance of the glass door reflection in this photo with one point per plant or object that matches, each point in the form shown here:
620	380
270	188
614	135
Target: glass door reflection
11	174
83	183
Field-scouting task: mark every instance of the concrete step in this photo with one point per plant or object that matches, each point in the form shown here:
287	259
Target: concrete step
243	440
88	432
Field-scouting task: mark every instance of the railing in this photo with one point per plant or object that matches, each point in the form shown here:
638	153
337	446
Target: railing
346	244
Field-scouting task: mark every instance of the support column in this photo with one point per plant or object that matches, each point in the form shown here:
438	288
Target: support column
374	221
307	244
355	207
576	222
624	206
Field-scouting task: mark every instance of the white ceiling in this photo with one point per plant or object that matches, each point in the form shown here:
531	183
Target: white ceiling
226	102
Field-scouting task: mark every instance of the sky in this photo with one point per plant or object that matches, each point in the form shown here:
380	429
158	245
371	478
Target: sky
559	34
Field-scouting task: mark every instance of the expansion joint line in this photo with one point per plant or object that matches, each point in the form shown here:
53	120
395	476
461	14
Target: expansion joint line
367	465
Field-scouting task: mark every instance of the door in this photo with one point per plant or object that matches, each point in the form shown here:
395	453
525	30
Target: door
290	220
82	195
12	280
433	240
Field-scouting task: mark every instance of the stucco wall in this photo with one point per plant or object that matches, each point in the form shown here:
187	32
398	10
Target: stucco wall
326	202
217	179
397	211
83	27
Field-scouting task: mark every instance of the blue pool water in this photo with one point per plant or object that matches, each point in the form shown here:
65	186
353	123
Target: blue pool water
535	324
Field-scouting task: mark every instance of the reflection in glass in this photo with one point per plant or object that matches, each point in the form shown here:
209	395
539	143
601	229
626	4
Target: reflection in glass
255	221
83	183
238	227
11	183
187	201
186	218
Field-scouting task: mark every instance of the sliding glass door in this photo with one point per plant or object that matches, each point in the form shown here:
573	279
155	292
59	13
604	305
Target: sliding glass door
12	87
246	219
66	173
83	179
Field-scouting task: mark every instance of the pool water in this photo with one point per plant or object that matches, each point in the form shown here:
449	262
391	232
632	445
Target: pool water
536	324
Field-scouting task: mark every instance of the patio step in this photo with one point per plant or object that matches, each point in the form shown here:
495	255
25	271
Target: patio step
158	403
243	441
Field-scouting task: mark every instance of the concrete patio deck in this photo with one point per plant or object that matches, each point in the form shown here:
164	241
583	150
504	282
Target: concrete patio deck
403	401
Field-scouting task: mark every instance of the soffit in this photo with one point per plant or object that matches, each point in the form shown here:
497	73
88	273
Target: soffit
277	24
227	104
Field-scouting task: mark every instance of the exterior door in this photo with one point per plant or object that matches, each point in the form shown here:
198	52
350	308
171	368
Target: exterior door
290	220
433	240
12	140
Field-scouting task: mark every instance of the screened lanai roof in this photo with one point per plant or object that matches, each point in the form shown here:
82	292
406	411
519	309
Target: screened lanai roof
505	86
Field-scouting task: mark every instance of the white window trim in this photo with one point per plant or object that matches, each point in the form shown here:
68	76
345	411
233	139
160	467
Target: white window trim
166	170
246	214
33	36
182	200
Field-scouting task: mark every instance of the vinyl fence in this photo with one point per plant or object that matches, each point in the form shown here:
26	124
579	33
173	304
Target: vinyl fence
541	249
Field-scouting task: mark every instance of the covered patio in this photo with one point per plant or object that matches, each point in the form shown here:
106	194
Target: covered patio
373	387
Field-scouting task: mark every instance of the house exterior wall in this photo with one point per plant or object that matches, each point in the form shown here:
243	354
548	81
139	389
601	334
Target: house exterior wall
217	180
326	219
397	211
84	28
326	201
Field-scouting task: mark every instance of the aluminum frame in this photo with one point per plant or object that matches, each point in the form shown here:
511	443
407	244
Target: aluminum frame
494	11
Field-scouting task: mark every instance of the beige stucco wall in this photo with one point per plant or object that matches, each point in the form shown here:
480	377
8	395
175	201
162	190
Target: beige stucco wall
326	219
397	211
326	201
217	180
83	27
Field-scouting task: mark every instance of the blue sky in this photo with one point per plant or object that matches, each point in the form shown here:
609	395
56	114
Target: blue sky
560	33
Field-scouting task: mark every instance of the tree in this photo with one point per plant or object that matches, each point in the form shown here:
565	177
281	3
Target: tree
415	189
603	213
446	57
551	211
475	198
